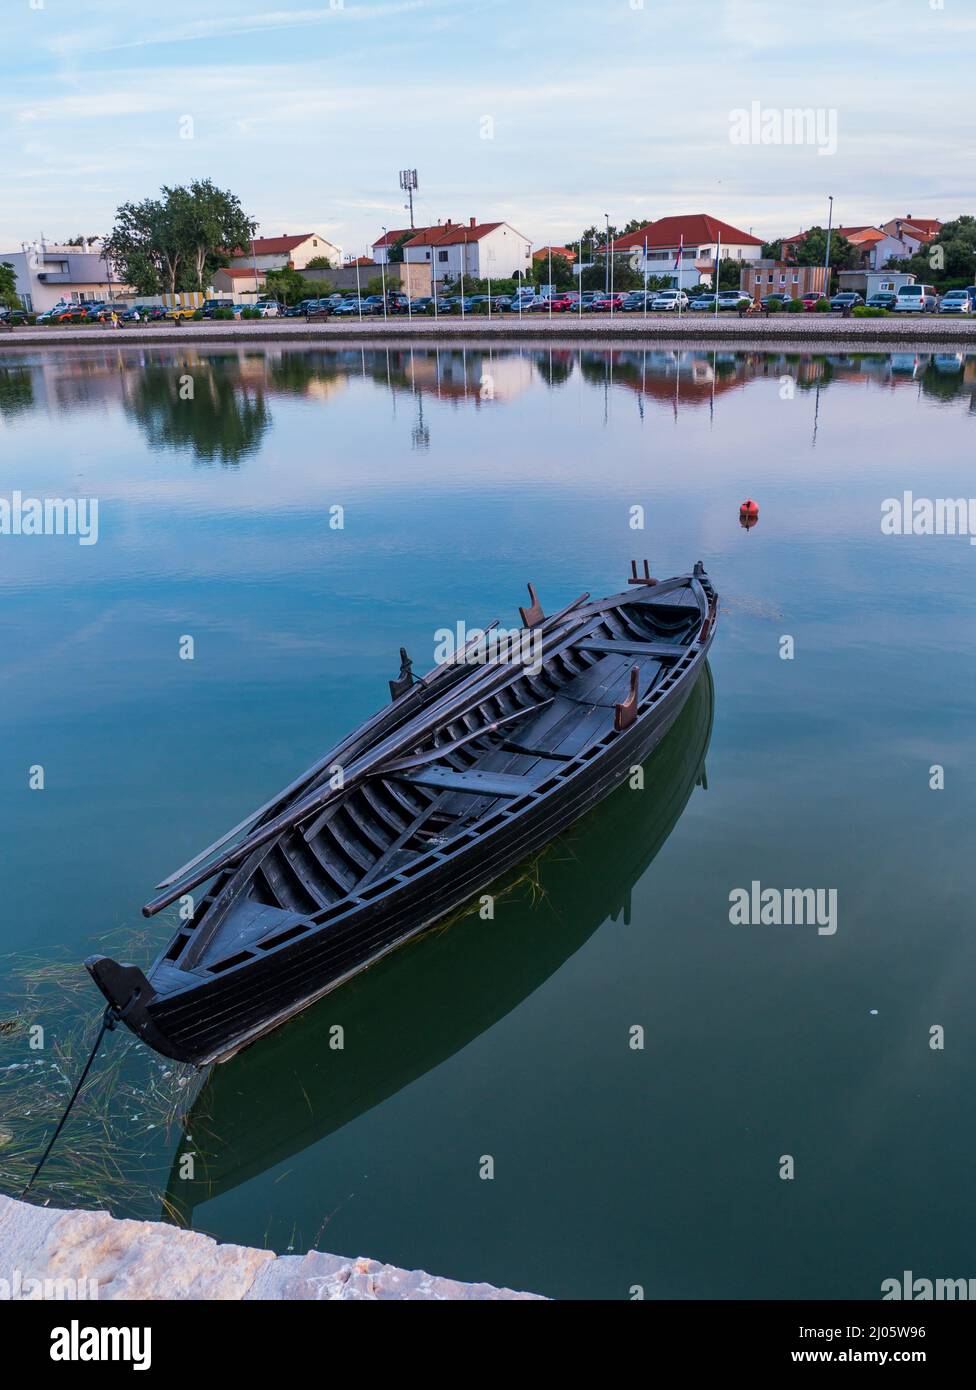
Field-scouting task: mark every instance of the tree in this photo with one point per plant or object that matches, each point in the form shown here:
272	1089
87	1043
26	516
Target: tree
209	223
290	286
79	240
8	286
812	250
562	272
177	241
772	250
395	253
319	263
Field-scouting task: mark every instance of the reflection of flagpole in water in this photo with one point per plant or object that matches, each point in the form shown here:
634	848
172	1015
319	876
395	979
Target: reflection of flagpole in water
816	413
711	398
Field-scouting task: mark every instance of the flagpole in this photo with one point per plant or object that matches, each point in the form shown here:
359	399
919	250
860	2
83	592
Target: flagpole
645	277
718	262
681	248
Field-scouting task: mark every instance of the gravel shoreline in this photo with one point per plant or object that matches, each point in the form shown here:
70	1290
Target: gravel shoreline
779	331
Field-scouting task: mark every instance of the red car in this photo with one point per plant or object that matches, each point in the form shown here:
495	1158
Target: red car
607	303
810	300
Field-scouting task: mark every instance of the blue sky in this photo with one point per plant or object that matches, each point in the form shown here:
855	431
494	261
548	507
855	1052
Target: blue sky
595	106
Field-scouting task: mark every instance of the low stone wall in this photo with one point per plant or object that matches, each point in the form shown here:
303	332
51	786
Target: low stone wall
779	331
91	1254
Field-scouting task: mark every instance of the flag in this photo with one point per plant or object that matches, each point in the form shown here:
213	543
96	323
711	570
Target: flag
681	247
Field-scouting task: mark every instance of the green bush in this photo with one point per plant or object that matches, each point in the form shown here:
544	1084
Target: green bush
198	315
795	306
862	311
774	306
250	313
822	306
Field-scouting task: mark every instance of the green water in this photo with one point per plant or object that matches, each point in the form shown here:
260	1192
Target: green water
462	475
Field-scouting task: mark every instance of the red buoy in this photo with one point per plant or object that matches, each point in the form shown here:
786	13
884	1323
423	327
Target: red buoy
749	508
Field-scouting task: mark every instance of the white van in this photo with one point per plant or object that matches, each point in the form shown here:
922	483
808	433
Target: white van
915	299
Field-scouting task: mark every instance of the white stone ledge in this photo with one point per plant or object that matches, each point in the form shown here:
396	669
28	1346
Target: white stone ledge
151	1260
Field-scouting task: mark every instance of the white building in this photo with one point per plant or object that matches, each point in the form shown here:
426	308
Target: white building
683	249
279	252
479	250
47	274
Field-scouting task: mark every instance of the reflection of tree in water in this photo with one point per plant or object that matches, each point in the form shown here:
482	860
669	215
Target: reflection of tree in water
16	390
295	372
555	368
943	378
225	420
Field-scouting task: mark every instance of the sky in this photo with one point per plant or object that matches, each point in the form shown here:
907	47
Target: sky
547	114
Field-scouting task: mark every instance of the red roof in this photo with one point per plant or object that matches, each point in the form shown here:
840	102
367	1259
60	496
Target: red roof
391	238
274	245
543	253
924	224
695	229
239	274
454	233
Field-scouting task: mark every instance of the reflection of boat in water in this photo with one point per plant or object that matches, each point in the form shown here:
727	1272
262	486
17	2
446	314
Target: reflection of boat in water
425	1003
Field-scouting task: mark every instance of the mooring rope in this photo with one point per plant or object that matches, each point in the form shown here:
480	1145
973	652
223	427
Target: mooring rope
110	1018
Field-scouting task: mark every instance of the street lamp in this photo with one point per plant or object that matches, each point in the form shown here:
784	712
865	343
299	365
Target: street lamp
830	218
386	252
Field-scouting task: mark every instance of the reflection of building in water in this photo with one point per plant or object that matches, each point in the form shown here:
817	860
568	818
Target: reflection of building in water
227	409
470	374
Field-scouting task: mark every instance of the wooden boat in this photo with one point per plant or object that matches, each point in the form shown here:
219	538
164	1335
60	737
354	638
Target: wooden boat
273	1102
468	770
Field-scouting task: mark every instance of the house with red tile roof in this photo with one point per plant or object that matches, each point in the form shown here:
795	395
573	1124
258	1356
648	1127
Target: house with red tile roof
384	245
543	253
877	245
683	249
480	250
913	232
278	252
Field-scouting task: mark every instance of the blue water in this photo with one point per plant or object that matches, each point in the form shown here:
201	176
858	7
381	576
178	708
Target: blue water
462	475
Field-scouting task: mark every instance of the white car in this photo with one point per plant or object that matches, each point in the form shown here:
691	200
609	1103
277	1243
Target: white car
731	299
956	302
915	299
666	300
267	308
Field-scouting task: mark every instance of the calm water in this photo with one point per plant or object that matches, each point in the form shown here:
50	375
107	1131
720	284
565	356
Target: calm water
462	475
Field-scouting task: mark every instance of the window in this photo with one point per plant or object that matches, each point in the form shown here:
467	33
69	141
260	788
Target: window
782	279
796	277
442	255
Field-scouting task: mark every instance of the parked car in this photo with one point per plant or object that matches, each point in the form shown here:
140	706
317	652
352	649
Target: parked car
606	303
268	308
14	318
884	299
345	307
373	304
669	300
702	301
775	297
731	299
558	303
847	299
810	300
501	302
916	299
956	302
637	300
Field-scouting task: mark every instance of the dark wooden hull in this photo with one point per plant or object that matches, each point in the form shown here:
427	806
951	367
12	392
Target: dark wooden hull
272	1102
276	943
